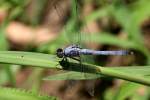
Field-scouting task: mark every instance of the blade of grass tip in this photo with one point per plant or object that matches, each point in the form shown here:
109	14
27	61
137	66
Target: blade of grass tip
29	58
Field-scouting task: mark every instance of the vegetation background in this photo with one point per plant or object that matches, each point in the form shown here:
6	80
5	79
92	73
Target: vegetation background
46	25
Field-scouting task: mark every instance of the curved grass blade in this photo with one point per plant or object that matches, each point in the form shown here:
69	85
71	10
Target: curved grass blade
138	74
29	58
119	72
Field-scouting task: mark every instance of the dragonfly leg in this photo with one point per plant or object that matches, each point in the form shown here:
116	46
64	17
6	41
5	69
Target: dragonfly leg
64	63
75	59
64	59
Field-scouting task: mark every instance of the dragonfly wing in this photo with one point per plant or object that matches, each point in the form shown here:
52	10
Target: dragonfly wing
69	33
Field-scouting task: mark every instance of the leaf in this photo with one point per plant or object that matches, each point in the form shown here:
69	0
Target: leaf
116	72
29	58
141	96
8	74
138	74
96	15
137	77
122	93
106	38
141	71
109	94
73	76
17	94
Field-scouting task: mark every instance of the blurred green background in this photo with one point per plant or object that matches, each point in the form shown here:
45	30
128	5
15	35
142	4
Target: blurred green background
46	25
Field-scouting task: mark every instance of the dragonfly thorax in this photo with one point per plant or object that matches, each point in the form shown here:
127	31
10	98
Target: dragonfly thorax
70	51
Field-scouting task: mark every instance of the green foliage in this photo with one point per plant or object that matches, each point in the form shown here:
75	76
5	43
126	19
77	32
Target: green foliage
28	58
122	93
139	74
128	16
127	90
73	76
16	94
6	72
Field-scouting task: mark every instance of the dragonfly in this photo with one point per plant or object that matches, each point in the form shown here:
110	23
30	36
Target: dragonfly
76	51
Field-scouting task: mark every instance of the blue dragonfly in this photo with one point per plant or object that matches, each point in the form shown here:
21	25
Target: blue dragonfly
75	51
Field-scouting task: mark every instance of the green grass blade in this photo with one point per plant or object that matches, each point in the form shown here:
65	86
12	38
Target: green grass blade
126	76
122	94
29	58
140	74
120	73
141	71
105	38
96	15
73	76
16	94
34	81
4	46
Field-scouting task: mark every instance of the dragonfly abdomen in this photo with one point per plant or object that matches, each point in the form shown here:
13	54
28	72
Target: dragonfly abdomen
94	52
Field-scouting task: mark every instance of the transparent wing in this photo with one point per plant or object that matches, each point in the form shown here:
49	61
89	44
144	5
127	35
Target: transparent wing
83	32
70	29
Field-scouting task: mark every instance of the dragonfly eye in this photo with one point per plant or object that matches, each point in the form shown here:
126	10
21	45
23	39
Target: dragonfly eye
131	53
60	53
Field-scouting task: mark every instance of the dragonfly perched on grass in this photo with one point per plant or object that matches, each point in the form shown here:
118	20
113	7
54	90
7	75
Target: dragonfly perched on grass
76	50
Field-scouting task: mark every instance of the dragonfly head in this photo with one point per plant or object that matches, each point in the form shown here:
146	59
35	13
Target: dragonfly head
60	53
